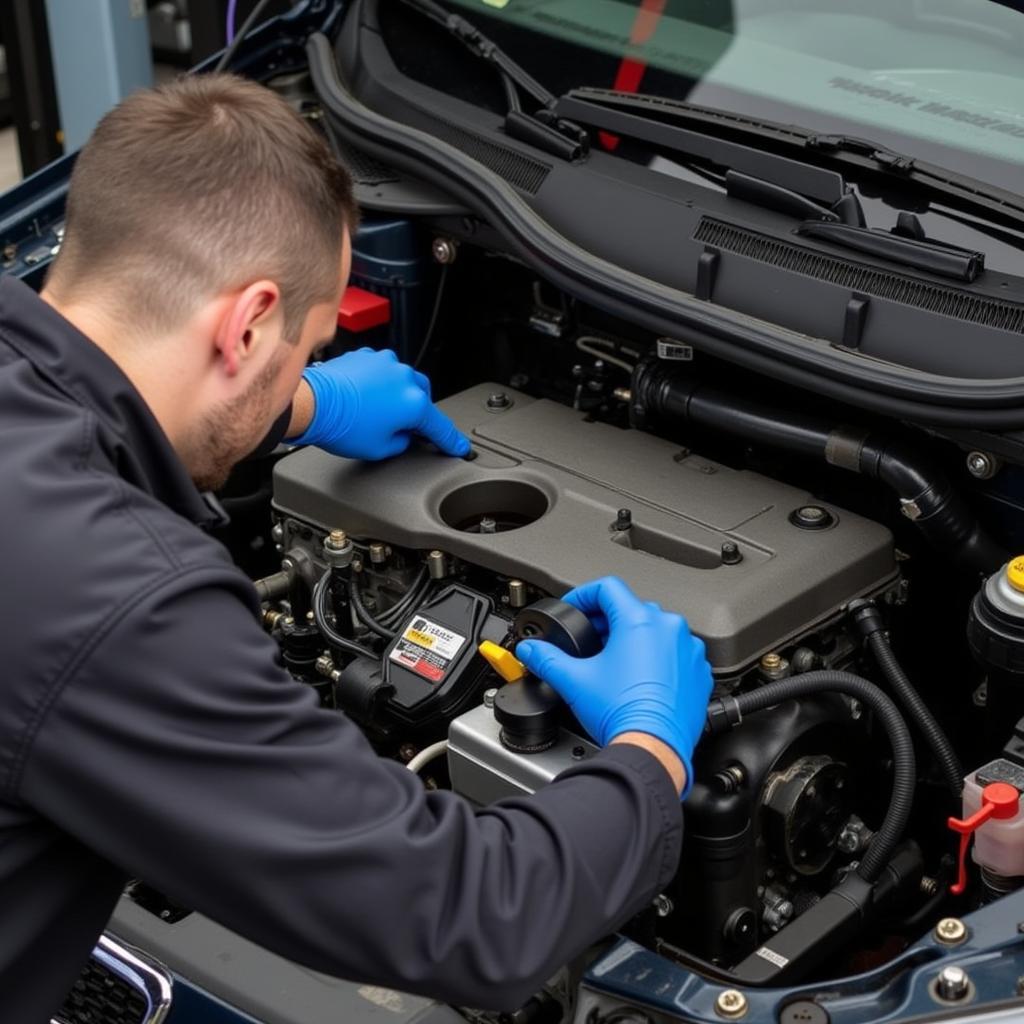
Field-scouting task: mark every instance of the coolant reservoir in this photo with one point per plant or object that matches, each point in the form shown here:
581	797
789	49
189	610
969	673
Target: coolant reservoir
993	815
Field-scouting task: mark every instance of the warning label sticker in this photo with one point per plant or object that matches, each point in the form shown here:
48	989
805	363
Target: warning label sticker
427	648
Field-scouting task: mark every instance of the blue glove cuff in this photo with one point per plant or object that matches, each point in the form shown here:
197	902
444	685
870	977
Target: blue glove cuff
335	406
650	720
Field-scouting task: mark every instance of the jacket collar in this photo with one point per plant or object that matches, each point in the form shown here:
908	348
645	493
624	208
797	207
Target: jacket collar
135	442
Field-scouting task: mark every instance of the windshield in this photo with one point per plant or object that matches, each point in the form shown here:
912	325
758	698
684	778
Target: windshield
942	80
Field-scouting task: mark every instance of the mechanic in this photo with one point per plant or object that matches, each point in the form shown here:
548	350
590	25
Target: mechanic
146	727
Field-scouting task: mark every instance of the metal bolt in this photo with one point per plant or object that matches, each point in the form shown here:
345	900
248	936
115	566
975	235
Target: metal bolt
731	1004
498	400
928	886
437	566
663	905
336	540
952	983
517	594
444	250
378	554
622	395
10	252
731	553
773	666
731	778
489	696
848	841
623	520
950	931
982	466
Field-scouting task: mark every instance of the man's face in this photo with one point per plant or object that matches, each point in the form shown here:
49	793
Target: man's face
230	432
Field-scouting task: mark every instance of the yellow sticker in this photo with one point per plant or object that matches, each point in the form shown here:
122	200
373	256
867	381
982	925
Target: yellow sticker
419	638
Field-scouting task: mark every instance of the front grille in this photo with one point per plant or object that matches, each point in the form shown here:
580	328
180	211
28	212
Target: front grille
884	284
117	986
100	997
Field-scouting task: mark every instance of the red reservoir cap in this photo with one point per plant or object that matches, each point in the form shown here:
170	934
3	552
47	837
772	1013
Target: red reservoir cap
361	310
1000	801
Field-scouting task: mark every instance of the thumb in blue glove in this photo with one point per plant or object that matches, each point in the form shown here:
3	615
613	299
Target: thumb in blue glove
368	405
651	677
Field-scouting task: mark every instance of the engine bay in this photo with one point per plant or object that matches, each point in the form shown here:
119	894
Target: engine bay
816	832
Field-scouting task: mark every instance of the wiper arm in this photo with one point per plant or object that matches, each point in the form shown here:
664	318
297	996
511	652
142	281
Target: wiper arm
817	183
898	163
543	129
960	190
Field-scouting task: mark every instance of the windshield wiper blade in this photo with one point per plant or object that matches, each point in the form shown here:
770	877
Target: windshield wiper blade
967	194
899	163
818	183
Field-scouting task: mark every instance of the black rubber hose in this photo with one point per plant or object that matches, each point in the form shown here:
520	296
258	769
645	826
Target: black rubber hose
662	395
330	634
729	711
868	620
416	592
365	617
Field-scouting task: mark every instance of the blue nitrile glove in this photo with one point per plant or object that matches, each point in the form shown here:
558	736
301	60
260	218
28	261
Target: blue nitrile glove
369	406
651	676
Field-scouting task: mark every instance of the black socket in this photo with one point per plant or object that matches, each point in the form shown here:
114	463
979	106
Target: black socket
560	624
528	713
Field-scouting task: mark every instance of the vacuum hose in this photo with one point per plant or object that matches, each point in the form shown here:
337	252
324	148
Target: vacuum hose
868	620
726	712
662	394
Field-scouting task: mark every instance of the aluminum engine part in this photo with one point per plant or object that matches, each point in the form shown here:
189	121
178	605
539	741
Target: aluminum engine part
483	769
540	501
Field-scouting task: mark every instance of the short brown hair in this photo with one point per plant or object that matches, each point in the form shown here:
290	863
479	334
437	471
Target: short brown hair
198	187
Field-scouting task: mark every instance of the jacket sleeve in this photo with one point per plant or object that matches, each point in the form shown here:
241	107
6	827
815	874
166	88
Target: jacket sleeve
182	752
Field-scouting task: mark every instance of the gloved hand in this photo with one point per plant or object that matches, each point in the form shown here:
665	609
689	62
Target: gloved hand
651	676
369	406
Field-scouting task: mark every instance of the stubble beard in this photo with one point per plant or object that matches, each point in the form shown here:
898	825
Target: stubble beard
226	435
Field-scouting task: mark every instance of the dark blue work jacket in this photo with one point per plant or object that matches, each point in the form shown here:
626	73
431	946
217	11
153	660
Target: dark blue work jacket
148	730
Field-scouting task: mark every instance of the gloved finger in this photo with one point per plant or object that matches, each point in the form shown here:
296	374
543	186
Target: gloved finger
550	663
439	429
389	354
609	596
423	380
394	445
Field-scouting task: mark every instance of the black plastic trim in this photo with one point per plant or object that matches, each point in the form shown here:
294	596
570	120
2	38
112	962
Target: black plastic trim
754	344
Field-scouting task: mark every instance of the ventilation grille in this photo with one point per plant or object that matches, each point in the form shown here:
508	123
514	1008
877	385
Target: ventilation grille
365	170
521	171
100	997
1004	316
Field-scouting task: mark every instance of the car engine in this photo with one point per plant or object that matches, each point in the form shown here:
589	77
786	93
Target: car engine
395	573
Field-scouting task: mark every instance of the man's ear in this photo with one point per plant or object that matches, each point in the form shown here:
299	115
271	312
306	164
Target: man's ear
245	322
